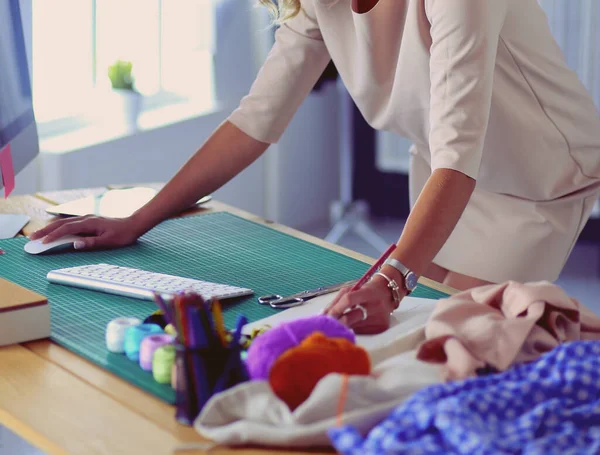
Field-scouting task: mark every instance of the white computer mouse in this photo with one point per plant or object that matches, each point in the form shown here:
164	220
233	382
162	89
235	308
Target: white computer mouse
37	247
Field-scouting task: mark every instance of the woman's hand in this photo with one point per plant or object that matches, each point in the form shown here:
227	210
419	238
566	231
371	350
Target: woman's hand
98	232
376	300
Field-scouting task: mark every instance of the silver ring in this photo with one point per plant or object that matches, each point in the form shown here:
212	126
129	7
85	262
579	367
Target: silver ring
364	311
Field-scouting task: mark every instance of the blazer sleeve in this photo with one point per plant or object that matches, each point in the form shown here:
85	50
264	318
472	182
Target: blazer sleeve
465	35
294	64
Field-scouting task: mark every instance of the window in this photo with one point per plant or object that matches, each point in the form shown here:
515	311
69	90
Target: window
169	43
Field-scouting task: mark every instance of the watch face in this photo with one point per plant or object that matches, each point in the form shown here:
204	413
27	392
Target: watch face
411	281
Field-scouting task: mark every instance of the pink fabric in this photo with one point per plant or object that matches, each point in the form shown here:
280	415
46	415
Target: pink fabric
502	324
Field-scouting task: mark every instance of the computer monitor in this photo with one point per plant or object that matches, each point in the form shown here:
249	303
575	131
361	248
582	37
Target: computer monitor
17	121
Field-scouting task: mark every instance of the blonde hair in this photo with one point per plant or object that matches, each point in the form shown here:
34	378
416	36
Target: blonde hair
282	10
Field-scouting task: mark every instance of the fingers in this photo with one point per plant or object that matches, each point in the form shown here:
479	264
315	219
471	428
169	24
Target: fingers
87	243
377	321
48	229
350	300
85	226
377	303
353	317
337	298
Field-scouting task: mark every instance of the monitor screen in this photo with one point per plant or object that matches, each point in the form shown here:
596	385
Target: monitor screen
17	121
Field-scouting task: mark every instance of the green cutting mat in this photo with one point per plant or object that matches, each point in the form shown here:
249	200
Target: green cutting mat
217	247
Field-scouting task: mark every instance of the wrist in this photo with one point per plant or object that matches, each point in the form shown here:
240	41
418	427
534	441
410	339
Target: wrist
379	280
396	291
394	274
139	223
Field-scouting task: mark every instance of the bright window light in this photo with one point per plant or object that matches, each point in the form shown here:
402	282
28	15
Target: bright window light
187	41
62	57
129	30
168	42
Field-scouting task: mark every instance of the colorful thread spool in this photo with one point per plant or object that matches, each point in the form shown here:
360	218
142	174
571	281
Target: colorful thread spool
162	363
150	344
115	333
171	330
134	336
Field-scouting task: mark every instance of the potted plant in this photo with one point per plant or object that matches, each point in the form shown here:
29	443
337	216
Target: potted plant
130	100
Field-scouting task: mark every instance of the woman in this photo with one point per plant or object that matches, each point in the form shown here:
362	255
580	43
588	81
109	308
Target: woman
506	157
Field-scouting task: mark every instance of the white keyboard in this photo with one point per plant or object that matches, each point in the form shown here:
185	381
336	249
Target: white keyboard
139	283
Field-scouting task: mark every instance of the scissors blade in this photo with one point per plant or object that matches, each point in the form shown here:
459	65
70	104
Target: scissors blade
326	289
300	297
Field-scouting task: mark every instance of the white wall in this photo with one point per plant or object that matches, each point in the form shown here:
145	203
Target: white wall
303	168
26	182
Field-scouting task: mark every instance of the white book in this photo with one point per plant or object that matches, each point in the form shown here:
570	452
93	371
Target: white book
24	314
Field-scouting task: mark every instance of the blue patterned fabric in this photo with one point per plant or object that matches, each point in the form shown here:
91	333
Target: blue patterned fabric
549	406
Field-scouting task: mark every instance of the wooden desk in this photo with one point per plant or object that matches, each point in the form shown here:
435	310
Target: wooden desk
62	403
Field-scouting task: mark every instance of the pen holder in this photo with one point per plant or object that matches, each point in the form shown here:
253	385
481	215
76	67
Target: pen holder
202	373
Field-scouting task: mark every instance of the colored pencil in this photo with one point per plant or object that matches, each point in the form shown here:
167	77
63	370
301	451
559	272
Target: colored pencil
198	339
177	317
162	305
221	381
241	322
184	323
206	325
369	273
217	314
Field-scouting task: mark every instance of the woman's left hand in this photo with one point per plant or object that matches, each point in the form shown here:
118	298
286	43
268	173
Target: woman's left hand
366	310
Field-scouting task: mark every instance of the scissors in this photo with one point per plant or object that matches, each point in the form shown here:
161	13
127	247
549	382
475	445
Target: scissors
279	302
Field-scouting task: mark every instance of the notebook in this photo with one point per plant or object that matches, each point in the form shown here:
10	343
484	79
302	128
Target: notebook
119	203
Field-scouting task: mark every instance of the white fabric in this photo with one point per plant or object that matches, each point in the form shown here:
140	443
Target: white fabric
410	315
251	414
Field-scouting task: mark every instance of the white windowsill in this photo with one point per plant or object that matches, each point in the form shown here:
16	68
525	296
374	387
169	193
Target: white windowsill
95	134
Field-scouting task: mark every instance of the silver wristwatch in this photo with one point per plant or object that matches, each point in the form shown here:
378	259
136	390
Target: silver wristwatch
410	278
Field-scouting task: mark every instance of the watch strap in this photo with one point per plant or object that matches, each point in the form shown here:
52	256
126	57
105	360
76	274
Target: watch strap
398	266
404	271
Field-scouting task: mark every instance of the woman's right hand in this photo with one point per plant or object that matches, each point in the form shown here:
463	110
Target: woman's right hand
97	232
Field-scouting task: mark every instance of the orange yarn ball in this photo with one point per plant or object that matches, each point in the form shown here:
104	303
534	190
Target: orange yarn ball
297	371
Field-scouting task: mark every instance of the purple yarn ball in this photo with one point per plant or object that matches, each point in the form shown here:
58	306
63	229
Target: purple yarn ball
267	348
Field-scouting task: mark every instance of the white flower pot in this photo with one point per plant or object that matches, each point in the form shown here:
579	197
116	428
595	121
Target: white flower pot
128	105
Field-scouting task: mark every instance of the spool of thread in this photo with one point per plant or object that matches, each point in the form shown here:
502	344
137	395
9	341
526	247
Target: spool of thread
115	333
150	344
171	330
162	363
134	336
